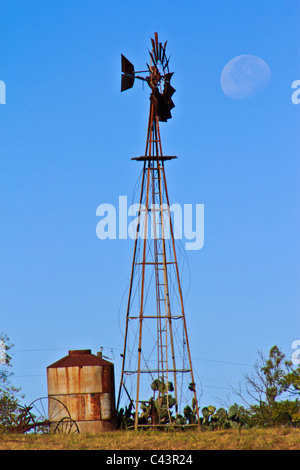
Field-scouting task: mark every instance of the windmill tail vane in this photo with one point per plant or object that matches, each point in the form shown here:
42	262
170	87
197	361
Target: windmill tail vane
156	358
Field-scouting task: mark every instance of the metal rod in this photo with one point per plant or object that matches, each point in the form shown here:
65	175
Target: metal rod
142	290
130	290
181	298
166	287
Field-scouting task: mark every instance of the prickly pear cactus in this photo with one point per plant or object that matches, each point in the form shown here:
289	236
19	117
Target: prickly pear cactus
232	412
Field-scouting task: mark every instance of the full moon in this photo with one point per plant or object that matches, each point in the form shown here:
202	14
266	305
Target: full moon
245	76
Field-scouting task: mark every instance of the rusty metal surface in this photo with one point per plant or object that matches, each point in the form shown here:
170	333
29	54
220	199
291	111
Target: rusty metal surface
80	379
85	384
89	406
80	358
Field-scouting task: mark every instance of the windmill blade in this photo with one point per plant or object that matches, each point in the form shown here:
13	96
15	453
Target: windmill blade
168	90
156	43
160	51
164	104
153	59
171	105
154	51
167	63
164	53
168	76
164	114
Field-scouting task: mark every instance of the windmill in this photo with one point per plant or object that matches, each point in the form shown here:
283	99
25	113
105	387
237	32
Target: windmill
156	354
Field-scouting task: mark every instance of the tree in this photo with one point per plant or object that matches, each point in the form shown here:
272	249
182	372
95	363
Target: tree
291	381
9	395
273	377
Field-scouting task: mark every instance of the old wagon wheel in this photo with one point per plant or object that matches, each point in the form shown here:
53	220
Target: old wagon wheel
47	412
66	426
21	420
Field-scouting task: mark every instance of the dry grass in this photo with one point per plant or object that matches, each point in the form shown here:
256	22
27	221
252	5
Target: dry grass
254	439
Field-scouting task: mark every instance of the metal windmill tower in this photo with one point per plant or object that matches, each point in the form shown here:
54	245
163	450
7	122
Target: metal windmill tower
156	355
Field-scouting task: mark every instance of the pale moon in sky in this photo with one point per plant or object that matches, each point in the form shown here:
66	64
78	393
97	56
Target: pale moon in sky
245	76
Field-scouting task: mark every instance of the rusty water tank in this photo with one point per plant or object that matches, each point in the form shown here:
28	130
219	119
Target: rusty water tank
85	384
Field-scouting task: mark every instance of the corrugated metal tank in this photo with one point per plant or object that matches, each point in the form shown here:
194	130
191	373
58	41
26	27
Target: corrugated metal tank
85	384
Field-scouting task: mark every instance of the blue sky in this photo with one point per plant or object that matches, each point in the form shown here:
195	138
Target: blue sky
67	138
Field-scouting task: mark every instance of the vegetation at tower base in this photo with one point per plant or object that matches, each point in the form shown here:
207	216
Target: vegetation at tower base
156	410
234	418
212	419
272	398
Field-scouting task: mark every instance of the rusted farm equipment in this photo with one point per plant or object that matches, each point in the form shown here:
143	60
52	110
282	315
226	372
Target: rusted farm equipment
43	416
